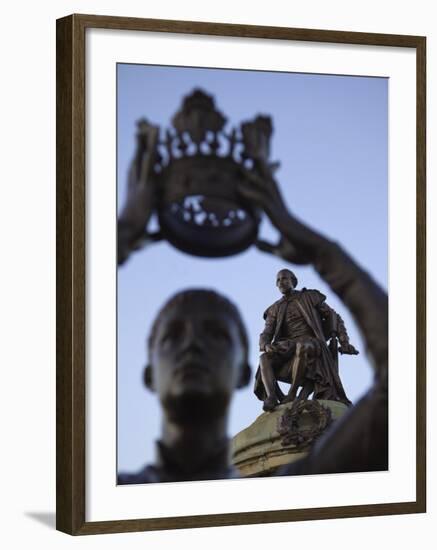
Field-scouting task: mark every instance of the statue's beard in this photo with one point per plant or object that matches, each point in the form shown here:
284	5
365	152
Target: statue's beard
195	408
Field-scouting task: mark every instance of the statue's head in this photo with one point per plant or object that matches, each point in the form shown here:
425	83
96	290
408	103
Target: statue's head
198	353
286	280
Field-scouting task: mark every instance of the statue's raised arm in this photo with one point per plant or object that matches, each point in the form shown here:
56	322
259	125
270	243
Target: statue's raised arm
141	195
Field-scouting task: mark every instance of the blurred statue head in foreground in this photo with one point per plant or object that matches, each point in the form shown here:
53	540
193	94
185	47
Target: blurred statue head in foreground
197	358
198	355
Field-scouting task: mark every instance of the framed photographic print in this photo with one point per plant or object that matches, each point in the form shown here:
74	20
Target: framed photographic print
240	274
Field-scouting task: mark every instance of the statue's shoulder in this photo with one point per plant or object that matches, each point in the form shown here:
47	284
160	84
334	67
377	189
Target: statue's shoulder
272	309
314	295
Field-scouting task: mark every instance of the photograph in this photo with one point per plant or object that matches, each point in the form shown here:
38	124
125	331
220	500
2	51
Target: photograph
240	224
252	276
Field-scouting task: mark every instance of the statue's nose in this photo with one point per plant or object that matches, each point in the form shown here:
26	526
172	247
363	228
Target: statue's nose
191	333
192	340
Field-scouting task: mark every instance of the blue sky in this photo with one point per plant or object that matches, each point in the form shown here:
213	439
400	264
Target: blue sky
331	138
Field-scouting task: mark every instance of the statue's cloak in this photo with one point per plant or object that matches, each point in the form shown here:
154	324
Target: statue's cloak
327	383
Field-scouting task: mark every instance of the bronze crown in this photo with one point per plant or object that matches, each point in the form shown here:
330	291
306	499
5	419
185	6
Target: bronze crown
199	166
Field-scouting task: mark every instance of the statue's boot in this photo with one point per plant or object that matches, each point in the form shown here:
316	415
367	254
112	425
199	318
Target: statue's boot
306	391
270	403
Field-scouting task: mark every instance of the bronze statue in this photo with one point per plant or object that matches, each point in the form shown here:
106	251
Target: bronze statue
197	357
294	346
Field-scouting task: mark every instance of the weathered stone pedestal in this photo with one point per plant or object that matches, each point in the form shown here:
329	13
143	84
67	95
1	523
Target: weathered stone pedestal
259	449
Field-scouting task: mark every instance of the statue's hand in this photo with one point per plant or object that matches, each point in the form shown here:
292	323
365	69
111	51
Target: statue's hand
268	348
140	200
260	188
298	244
348	349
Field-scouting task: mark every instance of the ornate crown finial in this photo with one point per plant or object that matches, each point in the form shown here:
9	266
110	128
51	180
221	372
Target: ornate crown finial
198	167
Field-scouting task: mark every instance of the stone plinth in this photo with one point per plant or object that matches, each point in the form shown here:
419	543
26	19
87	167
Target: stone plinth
259	449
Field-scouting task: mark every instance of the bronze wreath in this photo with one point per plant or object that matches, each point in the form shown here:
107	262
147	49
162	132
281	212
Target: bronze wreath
289	427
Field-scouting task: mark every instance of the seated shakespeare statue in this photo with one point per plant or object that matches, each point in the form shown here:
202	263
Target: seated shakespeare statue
294	346
197	358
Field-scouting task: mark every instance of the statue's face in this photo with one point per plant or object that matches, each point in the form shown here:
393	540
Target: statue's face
284	282
197	353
